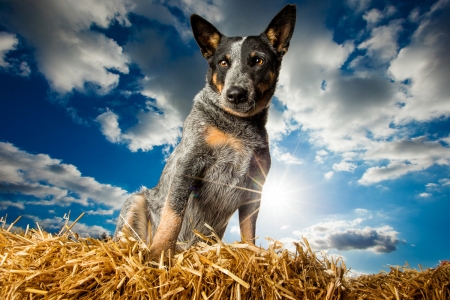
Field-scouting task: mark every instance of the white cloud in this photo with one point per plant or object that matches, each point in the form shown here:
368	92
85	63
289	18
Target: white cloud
68	53
153	129
328	175
382	44
414	15
358	5
4	204
277	125
405	156
57	223
235	229
347	235
8	42
51	181
431	186
344	166
444	182
373	16
280	154
425	63
284	227
356	113
425	195
361	211
288	243
321	156
24	69
101	212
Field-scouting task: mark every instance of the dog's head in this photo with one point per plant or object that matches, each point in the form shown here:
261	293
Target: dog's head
244	70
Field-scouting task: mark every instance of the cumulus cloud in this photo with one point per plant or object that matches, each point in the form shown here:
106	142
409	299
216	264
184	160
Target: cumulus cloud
55	224
344	166
101	212
328	175
321	155
373	16
353	114
444	182
281	155
51	181
382	45
235	229
425	66
379	240
358	5
348	235
68	53
425	195
153	129
8	42
4	204
404	156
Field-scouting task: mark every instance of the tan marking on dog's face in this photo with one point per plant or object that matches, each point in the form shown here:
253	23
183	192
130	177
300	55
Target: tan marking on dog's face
167	232
217	138
265	85
218	85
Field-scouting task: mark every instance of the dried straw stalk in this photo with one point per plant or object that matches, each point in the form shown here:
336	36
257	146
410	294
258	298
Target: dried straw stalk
38	265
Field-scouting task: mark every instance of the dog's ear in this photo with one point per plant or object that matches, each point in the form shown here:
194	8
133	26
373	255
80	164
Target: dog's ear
206	35
281	28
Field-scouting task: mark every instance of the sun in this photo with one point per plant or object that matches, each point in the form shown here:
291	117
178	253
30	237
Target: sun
281	195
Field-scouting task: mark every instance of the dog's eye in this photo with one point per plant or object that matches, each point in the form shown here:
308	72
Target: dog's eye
223	63
259	61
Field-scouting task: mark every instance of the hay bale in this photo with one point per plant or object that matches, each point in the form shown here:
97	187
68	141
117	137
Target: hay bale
38	265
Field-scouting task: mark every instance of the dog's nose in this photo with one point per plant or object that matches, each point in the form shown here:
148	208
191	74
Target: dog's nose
236	95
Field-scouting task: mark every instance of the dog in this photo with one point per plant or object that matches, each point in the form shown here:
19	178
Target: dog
222	160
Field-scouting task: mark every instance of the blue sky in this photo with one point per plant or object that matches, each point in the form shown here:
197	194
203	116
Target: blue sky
93	95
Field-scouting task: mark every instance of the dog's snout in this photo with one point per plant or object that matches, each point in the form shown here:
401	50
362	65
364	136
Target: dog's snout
236	95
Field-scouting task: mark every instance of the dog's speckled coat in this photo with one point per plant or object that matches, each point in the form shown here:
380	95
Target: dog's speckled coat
223	158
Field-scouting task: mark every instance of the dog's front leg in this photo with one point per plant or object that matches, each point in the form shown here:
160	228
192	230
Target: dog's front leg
167	232
248	211
184	178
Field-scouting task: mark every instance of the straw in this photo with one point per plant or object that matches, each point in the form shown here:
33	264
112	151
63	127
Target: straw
37	265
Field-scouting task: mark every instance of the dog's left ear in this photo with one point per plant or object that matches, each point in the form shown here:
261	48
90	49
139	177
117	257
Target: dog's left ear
206	35
281	28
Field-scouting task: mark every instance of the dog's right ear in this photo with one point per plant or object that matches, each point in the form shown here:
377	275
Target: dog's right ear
281	28
206	35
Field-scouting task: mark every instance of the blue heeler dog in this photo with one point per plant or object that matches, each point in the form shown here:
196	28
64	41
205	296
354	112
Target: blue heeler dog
222	160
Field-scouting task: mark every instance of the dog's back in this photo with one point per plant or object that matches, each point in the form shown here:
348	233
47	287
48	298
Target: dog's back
223	158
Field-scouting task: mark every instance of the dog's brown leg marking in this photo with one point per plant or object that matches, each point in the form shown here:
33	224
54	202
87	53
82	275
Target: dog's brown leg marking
137	218
217	138
247	222
167	232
